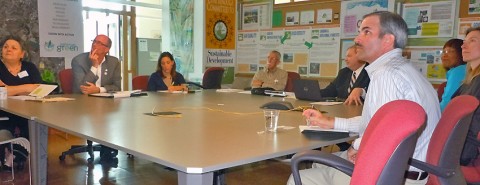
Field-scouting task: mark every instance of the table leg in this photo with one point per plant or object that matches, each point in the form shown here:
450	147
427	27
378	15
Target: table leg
38	134
195	179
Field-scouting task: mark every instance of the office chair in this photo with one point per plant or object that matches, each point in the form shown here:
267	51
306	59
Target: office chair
212	78
472	171
22	151
292	76
396	126
446	143
140	82
66	83
66	79
440	90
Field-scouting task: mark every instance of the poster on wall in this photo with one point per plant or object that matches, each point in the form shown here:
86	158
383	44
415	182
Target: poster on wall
220	29
257	16
434	19
60	28
466	23
296	45
474	7
324	16
324	51
427	60
247	49
353	11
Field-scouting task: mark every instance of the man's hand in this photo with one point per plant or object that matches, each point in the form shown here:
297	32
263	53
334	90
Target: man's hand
352	154
257	83
90	88
355	97
318	119
95	58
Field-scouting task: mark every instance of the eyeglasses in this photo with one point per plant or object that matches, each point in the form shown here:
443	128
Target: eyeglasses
98	42
448	52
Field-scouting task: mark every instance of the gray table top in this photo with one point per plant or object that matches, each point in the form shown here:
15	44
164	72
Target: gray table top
216	130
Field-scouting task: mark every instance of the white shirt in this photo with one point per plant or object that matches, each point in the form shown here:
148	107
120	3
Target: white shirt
98	72
393	78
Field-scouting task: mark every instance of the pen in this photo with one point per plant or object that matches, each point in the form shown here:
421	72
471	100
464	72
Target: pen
173	83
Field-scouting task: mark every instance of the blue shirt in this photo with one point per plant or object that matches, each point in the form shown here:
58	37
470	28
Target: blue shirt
455	76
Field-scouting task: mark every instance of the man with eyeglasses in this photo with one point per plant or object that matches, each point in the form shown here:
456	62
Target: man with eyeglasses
95	71
271	76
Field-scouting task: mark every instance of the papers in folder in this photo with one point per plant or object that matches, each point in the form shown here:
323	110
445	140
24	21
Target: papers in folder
119	94
305	128
39	93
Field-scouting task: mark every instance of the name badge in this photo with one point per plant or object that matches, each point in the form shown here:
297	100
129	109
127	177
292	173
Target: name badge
22	74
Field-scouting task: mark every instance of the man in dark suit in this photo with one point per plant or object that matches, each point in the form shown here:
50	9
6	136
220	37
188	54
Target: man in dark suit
348	85
95	71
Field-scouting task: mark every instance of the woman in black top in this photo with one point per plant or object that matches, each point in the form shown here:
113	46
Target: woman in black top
19	78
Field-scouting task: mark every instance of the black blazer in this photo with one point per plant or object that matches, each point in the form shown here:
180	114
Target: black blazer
339	86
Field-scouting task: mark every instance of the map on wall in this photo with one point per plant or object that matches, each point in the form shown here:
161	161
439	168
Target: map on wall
353	11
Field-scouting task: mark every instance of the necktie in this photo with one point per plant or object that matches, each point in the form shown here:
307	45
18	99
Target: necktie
352	81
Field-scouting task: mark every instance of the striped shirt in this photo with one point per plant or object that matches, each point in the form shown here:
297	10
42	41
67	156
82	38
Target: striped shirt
392	77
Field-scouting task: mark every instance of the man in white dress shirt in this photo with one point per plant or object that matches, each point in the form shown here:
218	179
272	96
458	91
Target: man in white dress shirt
382	35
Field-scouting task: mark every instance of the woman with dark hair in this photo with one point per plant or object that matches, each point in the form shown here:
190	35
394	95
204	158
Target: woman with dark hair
166	77
19	77
452	62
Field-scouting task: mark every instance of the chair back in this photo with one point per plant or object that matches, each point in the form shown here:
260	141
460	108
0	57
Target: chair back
212	78
448	138
472	172
140	82
292	76
66	81
440	90
395	125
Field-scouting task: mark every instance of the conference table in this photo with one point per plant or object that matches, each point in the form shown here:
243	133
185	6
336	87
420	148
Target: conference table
215	130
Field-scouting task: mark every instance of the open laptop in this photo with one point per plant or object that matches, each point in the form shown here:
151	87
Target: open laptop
310	90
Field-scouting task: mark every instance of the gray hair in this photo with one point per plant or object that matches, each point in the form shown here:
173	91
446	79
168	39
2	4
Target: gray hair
392	23
279	56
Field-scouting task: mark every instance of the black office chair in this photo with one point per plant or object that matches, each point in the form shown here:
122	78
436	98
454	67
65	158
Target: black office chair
212	78
66	83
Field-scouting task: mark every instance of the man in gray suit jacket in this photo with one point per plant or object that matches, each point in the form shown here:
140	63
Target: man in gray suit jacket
95	71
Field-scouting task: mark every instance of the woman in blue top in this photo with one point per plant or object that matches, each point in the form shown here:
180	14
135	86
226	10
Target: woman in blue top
452	61
166	77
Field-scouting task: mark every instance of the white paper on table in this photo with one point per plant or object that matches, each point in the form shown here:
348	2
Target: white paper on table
229	90
245	92
328	103
173	92
317	128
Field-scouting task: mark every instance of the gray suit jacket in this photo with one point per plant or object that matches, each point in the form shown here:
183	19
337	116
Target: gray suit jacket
111	69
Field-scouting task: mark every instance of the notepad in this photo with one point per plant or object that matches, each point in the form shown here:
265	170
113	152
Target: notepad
38	93
318	129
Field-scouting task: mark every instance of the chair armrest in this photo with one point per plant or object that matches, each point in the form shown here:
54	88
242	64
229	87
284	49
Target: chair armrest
195	84
328	159
435	170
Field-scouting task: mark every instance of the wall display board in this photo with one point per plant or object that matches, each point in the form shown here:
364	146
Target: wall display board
353	11
432	19
324	51
60	28
247	51
256	15
427	60
474	7
466	23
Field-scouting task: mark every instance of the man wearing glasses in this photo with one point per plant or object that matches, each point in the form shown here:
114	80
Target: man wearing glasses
95	71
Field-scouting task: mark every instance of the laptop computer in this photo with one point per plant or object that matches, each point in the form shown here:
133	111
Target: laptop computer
310	90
